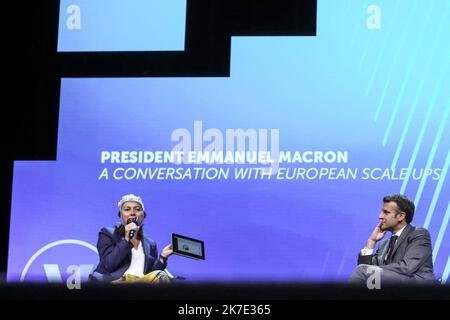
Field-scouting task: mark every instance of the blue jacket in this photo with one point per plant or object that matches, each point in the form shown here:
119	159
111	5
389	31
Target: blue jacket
115	256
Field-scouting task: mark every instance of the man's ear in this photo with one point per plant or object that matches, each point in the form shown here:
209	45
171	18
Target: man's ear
402	216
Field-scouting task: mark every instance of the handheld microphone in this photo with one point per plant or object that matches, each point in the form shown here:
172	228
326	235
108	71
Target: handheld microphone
132	233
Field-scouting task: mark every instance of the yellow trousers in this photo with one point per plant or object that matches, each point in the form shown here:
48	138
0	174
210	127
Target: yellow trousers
157	276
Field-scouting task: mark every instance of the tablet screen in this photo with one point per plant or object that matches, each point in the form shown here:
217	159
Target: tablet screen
188	247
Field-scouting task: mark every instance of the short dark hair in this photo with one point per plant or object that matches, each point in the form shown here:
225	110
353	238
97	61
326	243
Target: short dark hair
403	203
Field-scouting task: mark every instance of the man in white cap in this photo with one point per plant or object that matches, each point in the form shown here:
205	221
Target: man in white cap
125	253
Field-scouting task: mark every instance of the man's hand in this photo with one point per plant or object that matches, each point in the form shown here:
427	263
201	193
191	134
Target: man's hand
376	236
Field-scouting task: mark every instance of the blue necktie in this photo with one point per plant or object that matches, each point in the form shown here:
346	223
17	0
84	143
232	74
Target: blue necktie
390	249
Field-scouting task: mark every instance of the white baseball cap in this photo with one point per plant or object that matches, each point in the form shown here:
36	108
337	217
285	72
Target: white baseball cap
130	197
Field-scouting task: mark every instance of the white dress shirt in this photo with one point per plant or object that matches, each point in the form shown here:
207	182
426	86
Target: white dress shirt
137	261
368	252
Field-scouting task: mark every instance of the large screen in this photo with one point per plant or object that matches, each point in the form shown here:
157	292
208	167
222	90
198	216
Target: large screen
279	168
117	25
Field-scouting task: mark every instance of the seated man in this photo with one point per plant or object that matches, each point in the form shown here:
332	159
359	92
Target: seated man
404	258
125	253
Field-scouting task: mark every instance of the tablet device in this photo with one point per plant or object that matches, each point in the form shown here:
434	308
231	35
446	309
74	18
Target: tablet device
188	247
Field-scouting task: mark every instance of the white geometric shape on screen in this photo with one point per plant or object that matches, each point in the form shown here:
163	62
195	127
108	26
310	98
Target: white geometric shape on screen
52	272
51	245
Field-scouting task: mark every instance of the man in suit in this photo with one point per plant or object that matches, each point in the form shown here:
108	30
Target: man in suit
406	257
125	253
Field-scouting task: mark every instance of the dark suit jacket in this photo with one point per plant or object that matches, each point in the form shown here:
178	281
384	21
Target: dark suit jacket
115	256
412	255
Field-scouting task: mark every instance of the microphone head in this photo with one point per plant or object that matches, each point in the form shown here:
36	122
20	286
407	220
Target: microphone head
131	233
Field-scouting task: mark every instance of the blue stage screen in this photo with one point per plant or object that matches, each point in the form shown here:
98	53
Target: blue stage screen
351	115
116	25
